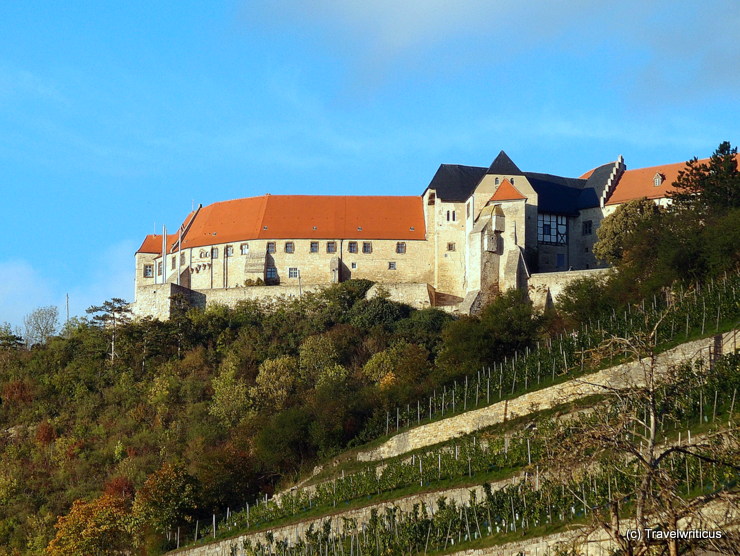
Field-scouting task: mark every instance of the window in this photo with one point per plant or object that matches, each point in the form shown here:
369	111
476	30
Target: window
587	227
244	247
182	258
467	210
174	262
585	249
552	229
331	246
271	273
148	271
512	181
657	179
214	253
451	215
401	247
270	246
314	247
229	251
391	265
431	199
451	246
289	247
367	247
293	272
354	265
352	247
203	254
159	268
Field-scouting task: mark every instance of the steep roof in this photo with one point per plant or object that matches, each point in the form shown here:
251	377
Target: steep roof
307	217
456	183
153	243
638	183
559	195
507	192
503	165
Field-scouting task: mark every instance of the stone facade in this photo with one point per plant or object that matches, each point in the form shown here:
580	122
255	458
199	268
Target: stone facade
473	232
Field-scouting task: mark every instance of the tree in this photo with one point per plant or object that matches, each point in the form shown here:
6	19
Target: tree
41	324
316	354
101	526
401	363
617	229
626	443
8	339
506	325
167	498
712	186
275	383
230	395
110	315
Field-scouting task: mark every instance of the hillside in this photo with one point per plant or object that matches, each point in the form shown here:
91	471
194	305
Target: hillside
134	437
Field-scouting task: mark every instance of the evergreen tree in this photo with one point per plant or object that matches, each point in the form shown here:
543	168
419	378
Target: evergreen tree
712	186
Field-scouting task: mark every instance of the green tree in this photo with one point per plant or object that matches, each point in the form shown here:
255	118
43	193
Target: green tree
401	363
275	383
8	339
617	229
712	186
167	497
111	315
316	354
230	395
506	325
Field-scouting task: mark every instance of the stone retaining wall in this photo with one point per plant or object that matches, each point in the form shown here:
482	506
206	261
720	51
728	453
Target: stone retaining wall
621	376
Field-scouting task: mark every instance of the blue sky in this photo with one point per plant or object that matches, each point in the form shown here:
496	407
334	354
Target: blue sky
115	117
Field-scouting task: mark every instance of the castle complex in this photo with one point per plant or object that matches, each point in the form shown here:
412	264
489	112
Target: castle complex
472	232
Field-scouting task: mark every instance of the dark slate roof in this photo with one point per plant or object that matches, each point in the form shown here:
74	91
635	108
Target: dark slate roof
559	195
600	176
503	165
456	183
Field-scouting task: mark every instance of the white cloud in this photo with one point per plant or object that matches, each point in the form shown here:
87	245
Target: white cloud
23	288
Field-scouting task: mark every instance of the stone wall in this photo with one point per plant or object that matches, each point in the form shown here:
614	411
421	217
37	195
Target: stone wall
545	287
294	531
416	295
621	376
155	300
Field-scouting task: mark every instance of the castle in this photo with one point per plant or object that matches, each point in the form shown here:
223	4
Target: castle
472	232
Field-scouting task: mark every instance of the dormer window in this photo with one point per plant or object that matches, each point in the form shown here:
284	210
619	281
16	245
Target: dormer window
658	179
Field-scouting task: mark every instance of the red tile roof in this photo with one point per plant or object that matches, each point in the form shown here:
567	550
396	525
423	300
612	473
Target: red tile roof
153	243
638	183
507	192
305	217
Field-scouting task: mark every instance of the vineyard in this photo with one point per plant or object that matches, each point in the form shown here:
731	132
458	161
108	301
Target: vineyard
700	400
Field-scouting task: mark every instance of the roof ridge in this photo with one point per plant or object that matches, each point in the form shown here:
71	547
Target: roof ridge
502	164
